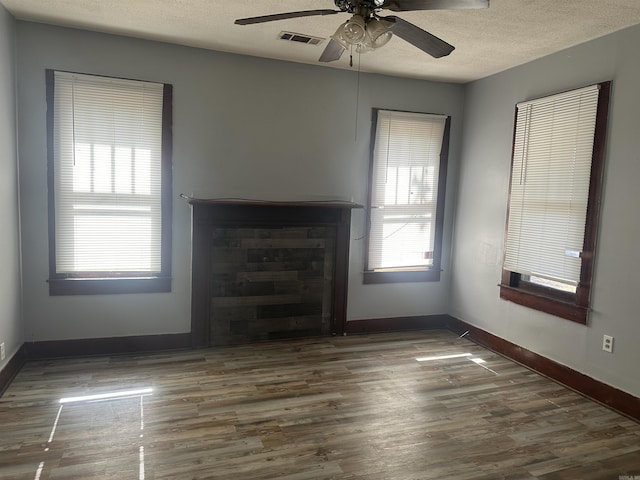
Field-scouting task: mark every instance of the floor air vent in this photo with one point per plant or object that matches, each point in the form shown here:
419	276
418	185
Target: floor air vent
300	38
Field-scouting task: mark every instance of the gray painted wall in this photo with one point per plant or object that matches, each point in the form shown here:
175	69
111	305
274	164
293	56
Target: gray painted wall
243	127
481	211
11	332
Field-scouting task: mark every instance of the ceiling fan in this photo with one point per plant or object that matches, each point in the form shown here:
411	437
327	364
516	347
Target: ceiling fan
366	30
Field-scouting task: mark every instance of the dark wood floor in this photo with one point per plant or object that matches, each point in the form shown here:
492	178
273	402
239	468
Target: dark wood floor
357	407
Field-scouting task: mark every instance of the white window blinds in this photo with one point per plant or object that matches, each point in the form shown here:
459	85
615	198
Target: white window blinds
550	178
107	168
406	163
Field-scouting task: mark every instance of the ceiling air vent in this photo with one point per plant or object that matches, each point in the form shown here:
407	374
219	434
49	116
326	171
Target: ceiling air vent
300	38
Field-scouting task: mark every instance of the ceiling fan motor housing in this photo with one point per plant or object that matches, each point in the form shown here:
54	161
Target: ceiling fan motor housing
353	6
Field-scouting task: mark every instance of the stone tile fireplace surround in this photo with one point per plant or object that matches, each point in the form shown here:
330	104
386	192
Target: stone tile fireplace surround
263	270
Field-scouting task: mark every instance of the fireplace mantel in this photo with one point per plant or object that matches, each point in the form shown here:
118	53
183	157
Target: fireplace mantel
233	223
273	203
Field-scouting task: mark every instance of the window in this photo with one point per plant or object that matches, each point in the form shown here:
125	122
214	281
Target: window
406	196
556	180
109	159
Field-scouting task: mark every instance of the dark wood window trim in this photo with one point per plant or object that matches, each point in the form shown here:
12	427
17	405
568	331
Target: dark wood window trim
108	286
574	307
113	283
385	276
404	275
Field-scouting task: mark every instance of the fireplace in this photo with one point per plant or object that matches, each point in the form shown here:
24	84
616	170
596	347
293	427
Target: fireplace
265	270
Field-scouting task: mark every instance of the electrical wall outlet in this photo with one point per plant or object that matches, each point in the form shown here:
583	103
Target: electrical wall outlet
2	352
607	343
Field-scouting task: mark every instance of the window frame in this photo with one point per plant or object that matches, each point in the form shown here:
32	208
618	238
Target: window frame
112	282
409	274
566	305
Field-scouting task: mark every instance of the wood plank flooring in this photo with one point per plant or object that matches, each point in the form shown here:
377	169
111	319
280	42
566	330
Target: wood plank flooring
357	407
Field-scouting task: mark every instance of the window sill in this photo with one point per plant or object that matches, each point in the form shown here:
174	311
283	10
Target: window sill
108	286
544	303
400	276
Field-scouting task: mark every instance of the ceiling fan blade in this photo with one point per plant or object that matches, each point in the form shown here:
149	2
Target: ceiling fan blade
420	38
284	16
410	5
332	52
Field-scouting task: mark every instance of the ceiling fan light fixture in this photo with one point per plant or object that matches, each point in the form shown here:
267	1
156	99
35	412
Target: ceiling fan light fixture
364	47
354	30
379	34
339	38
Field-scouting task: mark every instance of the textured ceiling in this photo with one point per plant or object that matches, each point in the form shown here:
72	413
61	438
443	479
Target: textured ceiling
509	33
